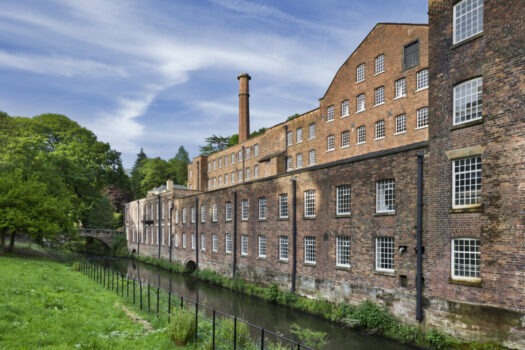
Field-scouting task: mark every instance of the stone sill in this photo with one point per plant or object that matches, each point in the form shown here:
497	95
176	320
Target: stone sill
342	216
309	217
385	214
262	220
310	264
261	258
281	261
472	209
472	38
467	124
283	219
343	268
469	283
384	273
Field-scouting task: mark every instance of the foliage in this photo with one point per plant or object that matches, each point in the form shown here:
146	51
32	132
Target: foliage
436	339
216	143
372	316
258	132
136	176
182	327
293	116
271	293
75	266
119	246
314	339
226	329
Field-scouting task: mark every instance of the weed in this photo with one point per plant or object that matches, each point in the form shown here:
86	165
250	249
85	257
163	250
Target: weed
271	293
182	327
314	339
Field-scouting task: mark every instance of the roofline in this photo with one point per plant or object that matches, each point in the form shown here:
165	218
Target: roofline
361	43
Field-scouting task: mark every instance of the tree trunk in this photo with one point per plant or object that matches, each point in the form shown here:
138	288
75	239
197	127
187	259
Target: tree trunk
12	243
2	241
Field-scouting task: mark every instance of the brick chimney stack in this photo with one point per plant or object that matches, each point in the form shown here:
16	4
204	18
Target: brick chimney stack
244	107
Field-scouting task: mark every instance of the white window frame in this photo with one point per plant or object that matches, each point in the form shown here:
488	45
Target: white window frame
342	251
256	171
214	212
360	73
193	241
192	215
345	139
184	241
263	208
330	143
309	203
228	243
203	213
283	206
311	131
248	173
401	124
289	163
422	118
400	88
299	135
342	200
262	246
289	138
360	103
183	215
310	251
311	157
460	260
460	13
385	254
299	161
361	135
283	248
462	99
203	242
228	211
379	64
244	245
380	130
379	96
245	207
473	196
256	150
422	80
214	245
345	108
386	201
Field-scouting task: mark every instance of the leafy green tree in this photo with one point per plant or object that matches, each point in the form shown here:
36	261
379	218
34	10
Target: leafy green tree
136	178
214	143
179	166
154	173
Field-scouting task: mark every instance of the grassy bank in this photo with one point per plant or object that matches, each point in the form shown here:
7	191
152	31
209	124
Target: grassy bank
47	305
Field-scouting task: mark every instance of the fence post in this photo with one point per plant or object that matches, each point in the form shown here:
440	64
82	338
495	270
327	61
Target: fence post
262	338
148	298
112	279
196	321
140	284
234	332
169	305
104	274
298	346
181	301
158	301
133	291
127	285
122	285
117	284
213	332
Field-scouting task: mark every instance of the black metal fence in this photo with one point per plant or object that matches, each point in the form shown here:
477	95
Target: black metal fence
213	327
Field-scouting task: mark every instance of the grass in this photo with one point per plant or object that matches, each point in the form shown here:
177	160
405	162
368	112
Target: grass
47	305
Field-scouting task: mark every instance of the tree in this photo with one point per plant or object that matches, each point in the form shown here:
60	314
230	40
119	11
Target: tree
214	143
136	179
154	172
179	166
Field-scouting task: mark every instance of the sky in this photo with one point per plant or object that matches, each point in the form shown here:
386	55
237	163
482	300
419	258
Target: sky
159	74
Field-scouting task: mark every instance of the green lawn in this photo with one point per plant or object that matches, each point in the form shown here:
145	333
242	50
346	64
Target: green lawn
47	305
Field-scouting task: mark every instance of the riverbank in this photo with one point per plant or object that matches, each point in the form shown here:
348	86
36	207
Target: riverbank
48	305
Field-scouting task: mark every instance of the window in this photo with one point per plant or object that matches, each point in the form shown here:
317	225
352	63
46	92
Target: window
309	203
345	108
220	180
380	64
311	157
283	206
401	88
220	163
176	240
256	150
233	158
225	160
225	179
360	73
411	55
385	254
309	250
214	182
191	174
228	211
422	118
299	161
467	101
233	176
330	143
360	103
385	196
239	156
380	129
239	175
343	200
214	243
228	245
247	173
214	164
203	242
244	209
379	95
330	114
209	183
401	123
262	246
247	152
311	131
299	135
244	245
283	248
342	251
183	215
345	139
361	134
255	171
203	213
176	216
289	138
214	212
468	19
466	258
193	241
422	79
289	163
192	215
262	208
184	240
466	180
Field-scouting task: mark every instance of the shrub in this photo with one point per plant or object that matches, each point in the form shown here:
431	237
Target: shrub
182	327
225	332
314	339
271	293
407	334
342	311
76	266
372	316
436	339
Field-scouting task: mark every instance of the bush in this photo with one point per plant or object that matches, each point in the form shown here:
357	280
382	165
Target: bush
271	293
436	339
182	327
225	332
76	266
372	316
316	340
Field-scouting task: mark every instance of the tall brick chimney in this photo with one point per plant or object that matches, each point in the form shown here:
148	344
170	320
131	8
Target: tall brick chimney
244	107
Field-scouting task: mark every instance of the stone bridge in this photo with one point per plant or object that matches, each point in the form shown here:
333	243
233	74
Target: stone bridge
103	235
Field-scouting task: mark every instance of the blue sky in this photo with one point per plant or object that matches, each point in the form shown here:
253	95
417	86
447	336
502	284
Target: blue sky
160	74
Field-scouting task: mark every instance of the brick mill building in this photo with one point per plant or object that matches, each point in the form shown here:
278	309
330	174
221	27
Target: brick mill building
406	186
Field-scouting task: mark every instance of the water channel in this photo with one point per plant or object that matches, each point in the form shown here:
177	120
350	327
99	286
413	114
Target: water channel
269	316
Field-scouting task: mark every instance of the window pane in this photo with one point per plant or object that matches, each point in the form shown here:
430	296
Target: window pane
467	182
343	200
385	253
466	258
385	191
467	101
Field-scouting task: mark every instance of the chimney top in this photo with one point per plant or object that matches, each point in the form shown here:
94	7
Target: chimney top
244	75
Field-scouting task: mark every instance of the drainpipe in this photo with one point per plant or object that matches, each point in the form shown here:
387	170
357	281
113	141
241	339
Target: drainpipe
197	231
294	232
138	224
419	249
243	161
159	218
285	149
170	225
234	268
198	177
143	228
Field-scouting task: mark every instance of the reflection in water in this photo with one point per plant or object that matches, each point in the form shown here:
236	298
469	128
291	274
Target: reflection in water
269	316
